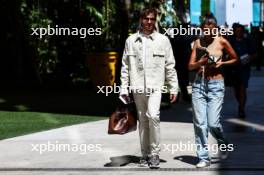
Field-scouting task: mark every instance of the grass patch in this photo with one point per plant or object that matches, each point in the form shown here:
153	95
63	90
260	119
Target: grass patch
20	123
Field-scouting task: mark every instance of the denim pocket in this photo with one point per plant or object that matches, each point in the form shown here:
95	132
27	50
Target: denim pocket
197	88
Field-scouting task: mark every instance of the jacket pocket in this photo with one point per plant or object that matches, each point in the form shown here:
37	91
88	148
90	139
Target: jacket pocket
131	57
136	63
131	54
158	54
159	58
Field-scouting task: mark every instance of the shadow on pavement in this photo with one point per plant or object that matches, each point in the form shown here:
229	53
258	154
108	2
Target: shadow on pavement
187	159
125	160
122	161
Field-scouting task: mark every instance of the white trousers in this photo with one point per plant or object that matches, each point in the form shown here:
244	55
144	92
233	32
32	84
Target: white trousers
148	109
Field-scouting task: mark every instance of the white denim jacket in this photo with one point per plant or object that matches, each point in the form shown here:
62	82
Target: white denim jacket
158	67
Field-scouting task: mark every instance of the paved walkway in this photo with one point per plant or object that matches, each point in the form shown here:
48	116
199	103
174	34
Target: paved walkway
93	151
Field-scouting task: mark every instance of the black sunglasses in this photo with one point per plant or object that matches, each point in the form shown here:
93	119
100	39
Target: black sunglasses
151	19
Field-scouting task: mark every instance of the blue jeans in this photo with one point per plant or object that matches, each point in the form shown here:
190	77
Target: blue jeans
207	100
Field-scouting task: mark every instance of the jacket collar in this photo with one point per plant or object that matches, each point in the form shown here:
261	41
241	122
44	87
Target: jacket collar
139	36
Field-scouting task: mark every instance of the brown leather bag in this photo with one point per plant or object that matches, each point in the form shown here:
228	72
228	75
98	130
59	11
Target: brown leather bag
122	121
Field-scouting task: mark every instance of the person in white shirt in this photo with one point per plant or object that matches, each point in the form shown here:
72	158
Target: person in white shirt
148	63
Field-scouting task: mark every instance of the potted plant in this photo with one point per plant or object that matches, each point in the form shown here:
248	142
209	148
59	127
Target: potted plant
103	50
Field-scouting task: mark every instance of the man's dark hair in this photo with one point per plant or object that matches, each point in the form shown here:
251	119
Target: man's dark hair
147	11
208	19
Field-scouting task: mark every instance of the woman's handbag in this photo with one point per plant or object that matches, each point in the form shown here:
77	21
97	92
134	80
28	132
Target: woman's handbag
123	120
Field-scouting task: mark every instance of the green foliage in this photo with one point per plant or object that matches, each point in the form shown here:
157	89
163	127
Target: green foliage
105	17
137	6
205	7
44	48
92	11
110	23
164	13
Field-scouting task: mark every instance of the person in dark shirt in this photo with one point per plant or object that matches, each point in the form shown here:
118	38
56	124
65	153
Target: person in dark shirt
246	51
182	50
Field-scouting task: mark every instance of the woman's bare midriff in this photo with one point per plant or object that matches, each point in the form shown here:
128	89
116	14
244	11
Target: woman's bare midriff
212	74
215	77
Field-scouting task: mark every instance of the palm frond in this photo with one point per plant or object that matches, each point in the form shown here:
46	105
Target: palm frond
94	12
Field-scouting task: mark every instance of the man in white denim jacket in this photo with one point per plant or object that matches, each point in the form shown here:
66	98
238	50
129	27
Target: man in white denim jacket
147	64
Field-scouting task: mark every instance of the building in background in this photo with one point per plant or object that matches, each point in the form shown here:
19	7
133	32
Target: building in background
195	11
248	12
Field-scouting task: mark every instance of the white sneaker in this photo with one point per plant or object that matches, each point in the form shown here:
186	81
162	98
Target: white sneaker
203	163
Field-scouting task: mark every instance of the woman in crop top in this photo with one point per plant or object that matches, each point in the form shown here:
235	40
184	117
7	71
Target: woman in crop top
208	89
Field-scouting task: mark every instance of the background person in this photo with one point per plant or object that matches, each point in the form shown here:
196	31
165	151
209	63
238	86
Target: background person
246	51
182	50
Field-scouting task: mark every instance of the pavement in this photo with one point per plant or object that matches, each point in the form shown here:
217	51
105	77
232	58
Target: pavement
88	149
